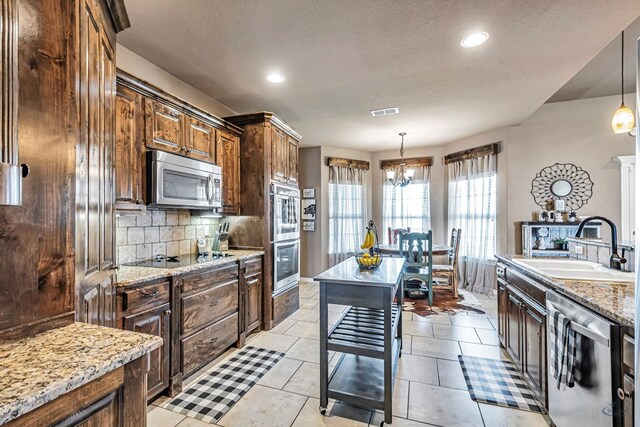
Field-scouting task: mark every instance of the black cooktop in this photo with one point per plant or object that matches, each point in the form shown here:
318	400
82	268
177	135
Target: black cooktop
163	261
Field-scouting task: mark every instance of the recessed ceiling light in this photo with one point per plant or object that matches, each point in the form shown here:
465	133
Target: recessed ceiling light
276	78
474	39
385	111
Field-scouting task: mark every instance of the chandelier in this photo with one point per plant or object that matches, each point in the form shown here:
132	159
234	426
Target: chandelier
403	176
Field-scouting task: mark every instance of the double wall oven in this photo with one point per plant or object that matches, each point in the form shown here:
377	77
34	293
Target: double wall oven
285	236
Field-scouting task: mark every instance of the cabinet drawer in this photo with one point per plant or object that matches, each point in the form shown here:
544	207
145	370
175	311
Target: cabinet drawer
285	304
204	307
204	346
152	294
253	266
225	273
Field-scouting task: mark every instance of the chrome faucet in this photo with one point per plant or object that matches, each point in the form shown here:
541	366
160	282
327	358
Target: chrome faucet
615	260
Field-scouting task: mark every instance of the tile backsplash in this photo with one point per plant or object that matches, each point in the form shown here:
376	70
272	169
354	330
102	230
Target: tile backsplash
597	251
160	232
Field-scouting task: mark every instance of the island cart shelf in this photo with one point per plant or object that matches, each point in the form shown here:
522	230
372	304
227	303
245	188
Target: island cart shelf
368	334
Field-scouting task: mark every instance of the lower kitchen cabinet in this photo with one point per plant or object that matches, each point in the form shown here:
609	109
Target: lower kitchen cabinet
209	321
154	321
285	304
522	328
251	271
146	308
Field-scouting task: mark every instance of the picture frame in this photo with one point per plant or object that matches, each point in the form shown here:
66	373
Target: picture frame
308	193
308	209
308	226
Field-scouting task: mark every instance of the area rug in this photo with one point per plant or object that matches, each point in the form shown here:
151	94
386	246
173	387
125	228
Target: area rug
444	302
209	398
497	382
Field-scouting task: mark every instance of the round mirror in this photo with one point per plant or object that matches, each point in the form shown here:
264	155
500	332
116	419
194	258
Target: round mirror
561	188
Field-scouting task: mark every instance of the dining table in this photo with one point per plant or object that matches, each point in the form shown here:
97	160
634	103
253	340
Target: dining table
389	249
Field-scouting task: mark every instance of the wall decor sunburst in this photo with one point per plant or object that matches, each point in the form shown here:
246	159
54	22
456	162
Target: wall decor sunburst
562	181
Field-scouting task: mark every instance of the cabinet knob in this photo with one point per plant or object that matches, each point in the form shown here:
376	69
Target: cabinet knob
183	148
167	313
622	394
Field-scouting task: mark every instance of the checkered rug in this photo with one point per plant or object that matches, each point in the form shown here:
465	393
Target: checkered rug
209	398
497	382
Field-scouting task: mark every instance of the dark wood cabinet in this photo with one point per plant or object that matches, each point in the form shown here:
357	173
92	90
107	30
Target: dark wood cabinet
201	138
228	158
534	347
279	155
208	321
522	327
154	321
95	178
251	295
164	127
502	312
129	150
146	308
514	328
292	161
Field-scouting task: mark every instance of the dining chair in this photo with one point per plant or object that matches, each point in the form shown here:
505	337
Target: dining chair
450	270
395	232
417	250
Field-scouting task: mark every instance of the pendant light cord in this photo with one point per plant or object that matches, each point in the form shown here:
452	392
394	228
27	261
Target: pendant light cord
622	72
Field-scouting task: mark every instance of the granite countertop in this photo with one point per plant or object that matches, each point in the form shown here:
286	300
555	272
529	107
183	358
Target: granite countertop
349	272
37	369
613	300
131	275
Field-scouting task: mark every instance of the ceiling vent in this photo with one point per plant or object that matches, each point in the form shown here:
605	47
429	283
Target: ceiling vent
385	111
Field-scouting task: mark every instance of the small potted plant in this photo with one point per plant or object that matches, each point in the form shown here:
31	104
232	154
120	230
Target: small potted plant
560	243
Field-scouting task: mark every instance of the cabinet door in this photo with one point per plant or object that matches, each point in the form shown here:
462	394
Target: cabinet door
279	155
200	140
502	313
164	127
534	348
292	161
155	321
253	302
228	158
95	178
514	328
129	163
97	304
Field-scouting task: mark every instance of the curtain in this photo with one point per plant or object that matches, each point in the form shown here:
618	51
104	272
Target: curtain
347	212
472	208
408	206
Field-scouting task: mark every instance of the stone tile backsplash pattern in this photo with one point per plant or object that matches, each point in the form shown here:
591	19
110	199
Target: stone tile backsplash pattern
160	232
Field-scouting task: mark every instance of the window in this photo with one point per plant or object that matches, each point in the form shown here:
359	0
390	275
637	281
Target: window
347	212
408	206
472	208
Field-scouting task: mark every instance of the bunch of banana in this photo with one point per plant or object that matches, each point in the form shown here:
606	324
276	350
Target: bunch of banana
369	240
368	260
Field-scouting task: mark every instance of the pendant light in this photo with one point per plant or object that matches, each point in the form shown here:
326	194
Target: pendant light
623	119
404	175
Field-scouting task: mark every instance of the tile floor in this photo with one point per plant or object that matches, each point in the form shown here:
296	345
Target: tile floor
430	388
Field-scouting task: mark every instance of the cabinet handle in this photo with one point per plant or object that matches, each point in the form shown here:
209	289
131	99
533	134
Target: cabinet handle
215	340
622	394
167	313
252	282
140	202
183	148
149	294
213	304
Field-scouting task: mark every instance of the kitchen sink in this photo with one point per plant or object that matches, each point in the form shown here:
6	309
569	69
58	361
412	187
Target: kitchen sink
576	270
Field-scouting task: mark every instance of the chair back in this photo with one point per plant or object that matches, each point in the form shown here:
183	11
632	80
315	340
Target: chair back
395	232
417	249
455	247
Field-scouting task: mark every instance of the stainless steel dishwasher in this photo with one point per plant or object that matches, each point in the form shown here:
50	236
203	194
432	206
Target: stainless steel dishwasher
592	401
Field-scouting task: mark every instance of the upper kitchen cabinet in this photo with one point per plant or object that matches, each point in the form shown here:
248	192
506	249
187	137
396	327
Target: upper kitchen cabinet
95	178
129	156
228	158
279	155
292	165
149	119
165	127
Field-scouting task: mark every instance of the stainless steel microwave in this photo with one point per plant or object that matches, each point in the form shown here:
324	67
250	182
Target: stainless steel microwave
180	182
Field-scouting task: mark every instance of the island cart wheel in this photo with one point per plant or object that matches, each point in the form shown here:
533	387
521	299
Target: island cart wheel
323	411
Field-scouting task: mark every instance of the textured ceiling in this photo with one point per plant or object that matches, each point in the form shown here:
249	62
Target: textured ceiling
601	76
344	58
